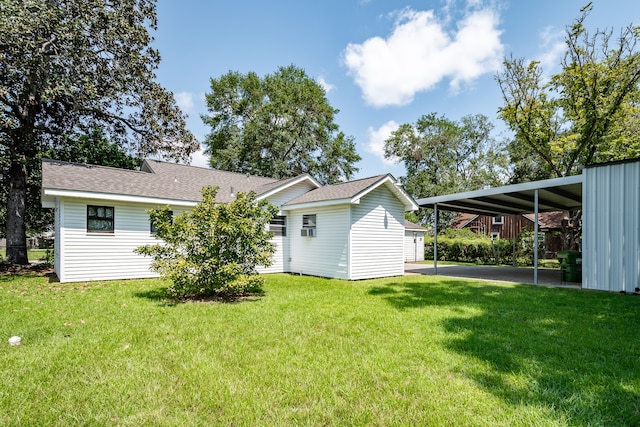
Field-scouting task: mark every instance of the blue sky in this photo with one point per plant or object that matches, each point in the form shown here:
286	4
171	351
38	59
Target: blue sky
382	63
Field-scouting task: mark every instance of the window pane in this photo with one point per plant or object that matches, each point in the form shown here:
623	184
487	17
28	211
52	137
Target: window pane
108	212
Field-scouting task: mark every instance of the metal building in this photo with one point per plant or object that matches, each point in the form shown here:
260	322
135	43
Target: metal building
611	227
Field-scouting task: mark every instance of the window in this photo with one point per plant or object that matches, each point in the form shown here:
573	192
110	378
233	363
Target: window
498	219
308	226
154	229
100	219
309	221
278	225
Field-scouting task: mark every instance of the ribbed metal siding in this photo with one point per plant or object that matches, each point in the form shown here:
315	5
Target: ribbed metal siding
611	227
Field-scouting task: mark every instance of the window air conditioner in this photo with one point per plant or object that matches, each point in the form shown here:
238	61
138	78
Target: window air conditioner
308	232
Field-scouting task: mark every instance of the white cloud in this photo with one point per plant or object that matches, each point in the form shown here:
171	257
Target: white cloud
200	159
421	52
377	138
328	87
185	102
553	45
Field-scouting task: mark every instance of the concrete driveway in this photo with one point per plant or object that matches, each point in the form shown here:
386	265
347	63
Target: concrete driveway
546	276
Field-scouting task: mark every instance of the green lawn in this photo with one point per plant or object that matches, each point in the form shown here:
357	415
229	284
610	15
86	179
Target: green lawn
32	254
411	351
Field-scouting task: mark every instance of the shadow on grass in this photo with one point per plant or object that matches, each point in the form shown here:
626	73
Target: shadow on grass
158	295
574	352
162	297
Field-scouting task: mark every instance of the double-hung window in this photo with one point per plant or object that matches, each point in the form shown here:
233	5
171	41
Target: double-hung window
100	219
278	225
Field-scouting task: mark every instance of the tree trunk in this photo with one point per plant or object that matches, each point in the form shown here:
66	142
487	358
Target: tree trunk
16	206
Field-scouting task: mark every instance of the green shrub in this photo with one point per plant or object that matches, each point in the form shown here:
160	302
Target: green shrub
214	249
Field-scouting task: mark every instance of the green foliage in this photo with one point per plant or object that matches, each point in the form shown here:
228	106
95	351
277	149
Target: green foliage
279	126
67	67
465	246
585	114
444	156
214	249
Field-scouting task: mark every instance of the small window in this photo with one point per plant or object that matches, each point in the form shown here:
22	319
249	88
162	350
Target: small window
309	221
308	226
498	219
154	229
100	219
278	225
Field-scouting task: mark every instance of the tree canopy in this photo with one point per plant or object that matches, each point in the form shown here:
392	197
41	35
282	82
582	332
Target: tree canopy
589	112
67	66
277	126
446	156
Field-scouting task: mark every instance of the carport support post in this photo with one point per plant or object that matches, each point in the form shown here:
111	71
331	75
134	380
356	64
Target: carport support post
435	238
514	230
535	238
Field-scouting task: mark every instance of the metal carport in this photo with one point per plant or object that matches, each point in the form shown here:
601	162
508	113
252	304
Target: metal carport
538	196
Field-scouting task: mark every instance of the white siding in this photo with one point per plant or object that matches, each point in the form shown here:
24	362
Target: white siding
290	193
413	247
85	256
281	255
611	227
377	236
327	254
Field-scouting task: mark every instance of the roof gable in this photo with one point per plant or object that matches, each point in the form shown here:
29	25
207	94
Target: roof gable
351	192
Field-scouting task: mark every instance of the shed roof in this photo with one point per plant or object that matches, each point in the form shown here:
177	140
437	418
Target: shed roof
553	195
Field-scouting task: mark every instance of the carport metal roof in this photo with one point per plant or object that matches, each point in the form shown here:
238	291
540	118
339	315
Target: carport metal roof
553	195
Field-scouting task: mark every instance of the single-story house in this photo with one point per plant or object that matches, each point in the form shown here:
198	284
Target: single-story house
413	242
352	230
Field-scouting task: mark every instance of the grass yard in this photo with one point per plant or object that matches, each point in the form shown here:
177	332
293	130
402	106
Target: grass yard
32	254
414	350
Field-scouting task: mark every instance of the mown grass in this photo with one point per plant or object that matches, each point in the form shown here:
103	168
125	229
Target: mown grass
32	254
415	350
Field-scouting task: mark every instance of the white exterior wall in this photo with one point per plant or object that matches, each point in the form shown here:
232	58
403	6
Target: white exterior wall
326	255
611	227
85	256
281	255
413	248
377	236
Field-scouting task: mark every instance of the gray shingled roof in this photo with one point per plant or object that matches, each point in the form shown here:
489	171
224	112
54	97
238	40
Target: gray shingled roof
157	179
172	181
344	190
408	225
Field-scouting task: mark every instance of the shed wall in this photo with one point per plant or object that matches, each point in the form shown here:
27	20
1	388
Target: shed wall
611	227
377	236
413	247
326	254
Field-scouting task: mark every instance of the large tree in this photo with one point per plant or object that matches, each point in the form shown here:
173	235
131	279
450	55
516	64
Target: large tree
588	112
277	126
446	156
67	66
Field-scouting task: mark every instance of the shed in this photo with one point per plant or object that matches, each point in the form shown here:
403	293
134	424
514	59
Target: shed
413	242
